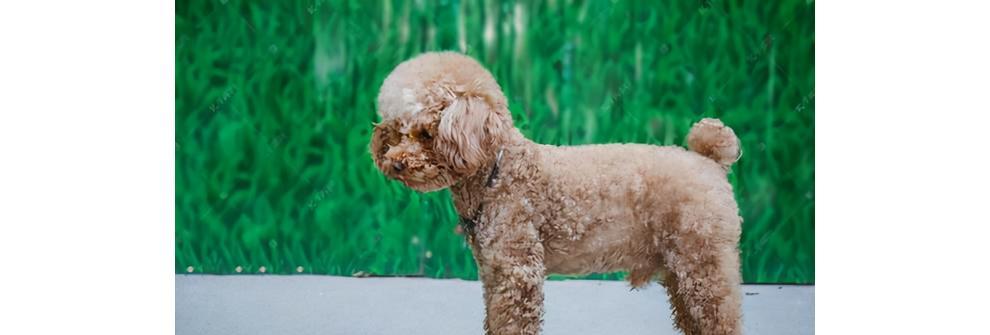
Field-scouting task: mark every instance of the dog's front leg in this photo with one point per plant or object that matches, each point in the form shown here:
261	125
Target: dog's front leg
512	272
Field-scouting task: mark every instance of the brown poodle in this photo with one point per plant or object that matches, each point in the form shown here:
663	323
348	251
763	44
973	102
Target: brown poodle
529	209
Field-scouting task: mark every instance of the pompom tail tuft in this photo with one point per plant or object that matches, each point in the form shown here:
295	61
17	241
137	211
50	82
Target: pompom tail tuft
714	140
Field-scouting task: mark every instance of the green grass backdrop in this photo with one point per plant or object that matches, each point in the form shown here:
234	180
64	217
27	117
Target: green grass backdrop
275	101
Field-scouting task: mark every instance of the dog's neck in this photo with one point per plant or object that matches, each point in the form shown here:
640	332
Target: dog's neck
470	215
487	173
470	192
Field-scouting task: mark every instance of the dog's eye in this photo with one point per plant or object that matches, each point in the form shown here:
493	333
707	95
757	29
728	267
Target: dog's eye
422	135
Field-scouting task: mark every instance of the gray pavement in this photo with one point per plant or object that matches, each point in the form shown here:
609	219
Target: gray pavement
304	304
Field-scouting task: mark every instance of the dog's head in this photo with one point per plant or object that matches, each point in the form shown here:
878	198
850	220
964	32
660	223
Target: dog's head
443	116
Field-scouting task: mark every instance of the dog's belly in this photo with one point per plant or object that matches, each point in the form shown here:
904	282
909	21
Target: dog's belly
609	247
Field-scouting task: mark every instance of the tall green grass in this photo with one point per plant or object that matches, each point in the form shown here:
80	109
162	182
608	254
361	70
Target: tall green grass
275	100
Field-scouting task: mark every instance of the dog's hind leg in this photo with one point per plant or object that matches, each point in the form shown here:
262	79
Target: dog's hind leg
701	276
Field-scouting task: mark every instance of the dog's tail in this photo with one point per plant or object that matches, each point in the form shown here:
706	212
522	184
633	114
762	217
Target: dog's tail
714	140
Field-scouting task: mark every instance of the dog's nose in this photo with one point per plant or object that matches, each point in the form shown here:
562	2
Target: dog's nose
398	166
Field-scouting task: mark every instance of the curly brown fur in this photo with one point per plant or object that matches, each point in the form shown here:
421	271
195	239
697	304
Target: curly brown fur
541	209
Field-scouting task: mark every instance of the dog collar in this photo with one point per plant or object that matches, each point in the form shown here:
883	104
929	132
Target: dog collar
494	174
468	224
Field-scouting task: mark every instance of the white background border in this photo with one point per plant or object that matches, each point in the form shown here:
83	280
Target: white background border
901	175
87	167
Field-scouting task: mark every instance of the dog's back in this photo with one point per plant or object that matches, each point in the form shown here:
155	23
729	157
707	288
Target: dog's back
608	202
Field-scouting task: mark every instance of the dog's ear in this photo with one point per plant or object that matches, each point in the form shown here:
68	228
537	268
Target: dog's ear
468	128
